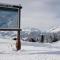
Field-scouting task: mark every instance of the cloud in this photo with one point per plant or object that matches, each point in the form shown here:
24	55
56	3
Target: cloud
41	13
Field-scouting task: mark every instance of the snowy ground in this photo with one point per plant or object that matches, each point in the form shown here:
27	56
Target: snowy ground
29	51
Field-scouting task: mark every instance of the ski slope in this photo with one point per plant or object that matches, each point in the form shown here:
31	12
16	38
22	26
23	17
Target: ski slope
29	50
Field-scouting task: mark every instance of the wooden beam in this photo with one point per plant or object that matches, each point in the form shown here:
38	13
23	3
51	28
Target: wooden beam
10	29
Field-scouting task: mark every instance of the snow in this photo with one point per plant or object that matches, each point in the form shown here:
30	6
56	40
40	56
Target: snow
29	50
55	29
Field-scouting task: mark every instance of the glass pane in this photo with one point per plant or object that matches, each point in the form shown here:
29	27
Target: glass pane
8	18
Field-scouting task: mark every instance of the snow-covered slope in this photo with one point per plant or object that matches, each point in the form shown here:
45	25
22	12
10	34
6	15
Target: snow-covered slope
29	51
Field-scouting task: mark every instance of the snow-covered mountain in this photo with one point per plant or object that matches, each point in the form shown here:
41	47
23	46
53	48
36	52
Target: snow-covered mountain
55	30
7	34
52	36
29	34
24	33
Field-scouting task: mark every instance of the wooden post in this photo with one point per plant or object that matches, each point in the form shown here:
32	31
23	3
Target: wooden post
18	42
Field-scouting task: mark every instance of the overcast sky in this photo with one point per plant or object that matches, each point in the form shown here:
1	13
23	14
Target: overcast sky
42	14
